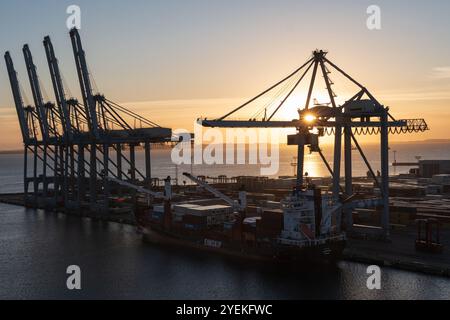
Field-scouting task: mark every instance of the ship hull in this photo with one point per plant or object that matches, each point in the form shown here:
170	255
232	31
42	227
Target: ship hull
327	253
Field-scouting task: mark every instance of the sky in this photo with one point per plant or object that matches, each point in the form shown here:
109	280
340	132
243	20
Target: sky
176	60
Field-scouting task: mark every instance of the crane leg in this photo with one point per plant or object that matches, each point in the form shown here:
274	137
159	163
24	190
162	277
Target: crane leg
148	164
133	162
300	164
93	176
385	174
348	175
106	190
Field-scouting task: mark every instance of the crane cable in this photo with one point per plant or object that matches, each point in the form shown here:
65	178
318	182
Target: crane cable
266	91
275	97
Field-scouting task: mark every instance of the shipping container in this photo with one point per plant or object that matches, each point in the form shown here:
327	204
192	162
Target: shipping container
194	219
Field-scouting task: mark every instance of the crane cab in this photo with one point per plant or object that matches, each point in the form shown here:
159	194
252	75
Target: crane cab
362	108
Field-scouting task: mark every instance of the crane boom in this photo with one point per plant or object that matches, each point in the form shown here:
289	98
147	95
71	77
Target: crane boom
85	82
36	91
135	187
214	191
17	98
58	88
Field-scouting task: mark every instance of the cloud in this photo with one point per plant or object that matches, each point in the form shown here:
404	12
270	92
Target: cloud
441	73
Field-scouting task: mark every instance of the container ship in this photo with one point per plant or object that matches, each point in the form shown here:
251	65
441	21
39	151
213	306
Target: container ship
303	227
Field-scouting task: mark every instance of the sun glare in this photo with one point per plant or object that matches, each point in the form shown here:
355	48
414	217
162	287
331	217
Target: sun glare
309	118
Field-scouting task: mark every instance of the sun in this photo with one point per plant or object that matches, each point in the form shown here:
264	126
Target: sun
309	118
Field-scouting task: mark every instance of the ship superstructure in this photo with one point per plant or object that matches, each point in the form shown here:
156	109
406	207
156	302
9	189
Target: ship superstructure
310	218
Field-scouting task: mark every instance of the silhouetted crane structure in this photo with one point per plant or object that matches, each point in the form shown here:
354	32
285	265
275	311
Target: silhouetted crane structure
362	114
71	143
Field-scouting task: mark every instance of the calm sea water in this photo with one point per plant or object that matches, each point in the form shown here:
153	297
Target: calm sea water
36	247
11	166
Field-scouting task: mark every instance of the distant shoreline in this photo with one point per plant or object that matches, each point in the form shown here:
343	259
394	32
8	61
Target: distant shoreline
6	152
426	141
11	152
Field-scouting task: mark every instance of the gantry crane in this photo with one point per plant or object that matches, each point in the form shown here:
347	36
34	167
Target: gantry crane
73	141
72	119
109	128
25	115
49	119
361	114
28	122
85	82
58	88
